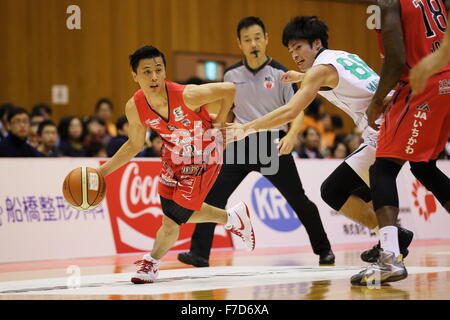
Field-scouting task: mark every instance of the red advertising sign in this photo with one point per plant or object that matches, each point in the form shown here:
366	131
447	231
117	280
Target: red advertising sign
135	210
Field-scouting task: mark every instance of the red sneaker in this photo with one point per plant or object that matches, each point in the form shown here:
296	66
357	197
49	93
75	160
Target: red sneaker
148	271
241	225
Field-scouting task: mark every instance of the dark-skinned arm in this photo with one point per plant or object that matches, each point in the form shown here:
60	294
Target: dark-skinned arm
395	58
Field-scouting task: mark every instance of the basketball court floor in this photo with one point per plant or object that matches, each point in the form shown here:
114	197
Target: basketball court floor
278	273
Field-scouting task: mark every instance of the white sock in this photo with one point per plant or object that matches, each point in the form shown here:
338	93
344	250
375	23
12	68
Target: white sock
389	239
149	257
230	222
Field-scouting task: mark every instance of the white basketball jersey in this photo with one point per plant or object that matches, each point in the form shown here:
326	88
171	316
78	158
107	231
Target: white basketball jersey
357	84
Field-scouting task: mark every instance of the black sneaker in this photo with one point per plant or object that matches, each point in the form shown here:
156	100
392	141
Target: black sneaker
404	240
326	257
193	259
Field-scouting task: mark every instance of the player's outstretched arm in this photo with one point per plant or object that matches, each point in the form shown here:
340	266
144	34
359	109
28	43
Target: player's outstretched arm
431	64
134	144
316	77
196	96
395	58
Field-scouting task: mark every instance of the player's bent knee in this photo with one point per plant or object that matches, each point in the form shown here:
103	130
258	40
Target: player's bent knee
332	193
383	176
175	212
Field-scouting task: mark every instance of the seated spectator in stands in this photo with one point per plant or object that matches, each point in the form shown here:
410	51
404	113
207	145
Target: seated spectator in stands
329	133
353	141
121	138
36	117
44	109
71	134
339	150
310	145
15	144
33	138
96	149
104	111
48	136
4	109
313	114
96	131
154	146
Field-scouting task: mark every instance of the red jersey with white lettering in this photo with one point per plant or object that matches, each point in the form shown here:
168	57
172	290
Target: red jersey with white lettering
191	156
424	24
416	128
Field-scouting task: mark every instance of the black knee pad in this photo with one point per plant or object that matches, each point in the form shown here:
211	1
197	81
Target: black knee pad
175	212
383	183
342	183
433	179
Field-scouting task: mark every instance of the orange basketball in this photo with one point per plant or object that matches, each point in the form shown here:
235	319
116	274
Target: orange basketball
84	188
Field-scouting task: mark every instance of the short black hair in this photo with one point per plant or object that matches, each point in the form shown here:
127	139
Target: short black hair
40	108
121	122
43	124
305	132
145	52
248	22
101	101
307	28
15	111
5	108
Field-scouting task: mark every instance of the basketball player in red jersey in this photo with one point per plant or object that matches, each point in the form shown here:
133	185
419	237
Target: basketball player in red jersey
430	65
190	155
415	127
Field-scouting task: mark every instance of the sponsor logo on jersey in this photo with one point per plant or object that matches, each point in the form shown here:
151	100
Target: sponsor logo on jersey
423	107
179	114
444	86
269	82
154	123
272	208
186	122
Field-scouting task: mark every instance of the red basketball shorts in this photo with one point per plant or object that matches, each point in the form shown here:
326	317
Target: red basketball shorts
187	184
416	128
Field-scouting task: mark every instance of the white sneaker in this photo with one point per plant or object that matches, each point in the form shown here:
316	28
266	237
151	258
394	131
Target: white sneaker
241	225
148	271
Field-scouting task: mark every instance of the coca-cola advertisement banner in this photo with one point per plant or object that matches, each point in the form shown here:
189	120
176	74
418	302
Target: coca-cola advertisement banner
135	209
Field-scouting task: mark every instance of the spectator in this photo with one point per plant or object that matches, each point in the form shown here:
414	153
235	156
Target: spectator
310	145
96	149
104	111
154	146
15	144
44	109
33	138
339	150
48	135
329	133
4	109
71	133
353	141
36	117
313	114
121	138
95	131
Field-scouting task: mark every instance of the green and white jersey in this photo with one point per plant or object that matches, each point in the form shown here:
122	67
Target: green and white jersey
356	87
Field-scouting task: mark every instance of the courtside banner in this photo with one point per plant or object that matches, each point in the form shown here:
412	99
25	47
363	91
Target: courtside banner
276	224
36	223
431	220
135	209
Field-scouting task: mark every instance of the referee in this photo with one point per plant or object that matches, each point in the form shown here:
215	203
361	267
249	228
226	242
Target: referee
258	92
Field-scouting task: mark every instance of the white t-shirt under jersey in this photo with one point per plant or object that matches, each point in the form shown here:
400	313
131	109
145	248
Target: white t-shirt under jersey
357	84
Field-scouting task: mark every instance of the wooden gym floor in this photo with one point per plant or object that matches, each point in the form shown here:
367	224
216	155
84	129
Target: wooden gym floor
265	274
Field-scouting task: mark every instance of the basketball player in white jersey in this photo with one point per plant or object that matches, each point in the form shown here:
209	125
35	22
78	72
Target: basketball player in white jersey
349	83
